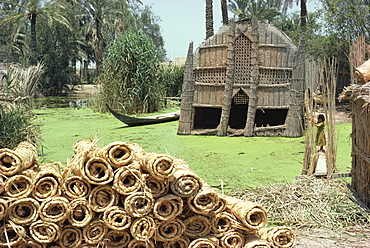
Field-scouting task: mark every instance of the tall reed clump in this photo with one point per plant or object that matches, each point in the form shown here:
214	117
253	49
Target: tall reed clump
16	116
130	77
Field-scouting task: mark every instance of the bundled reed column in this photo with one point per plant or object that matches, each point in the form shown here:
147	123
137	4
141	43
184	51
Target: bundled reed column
230	71
186	114
253	94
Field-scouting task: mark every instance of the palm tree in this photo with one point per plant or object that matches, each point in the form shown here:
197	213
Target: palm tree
98	17
225	17
24	13
264	10
209	18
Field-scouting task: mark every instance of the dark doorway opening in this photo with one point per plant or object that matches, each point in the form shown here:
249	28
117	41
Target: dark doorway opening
270	117
238	112
207	118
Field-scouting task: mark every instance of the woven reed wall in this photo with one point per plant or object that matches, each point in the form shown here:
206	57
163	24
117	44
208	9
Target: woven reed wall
276	55
361	147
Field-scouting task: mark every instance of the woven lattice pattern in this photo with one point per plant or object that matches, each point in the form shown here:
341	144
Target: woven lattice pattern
270	76
211	75
240	98
243	65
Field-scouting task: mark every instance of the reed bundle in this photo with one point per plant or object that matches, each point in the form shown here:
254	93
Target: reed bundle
13	161
18	186
24	211
121	196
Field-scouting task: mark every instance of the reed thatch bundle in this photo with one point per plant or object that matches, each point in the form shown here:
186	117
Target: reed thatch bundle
117	239
121	196
139	204
197	226
170	230
11	235
70	237
143	228
14	161
182	242
47	183
54	209
209	242
127	180
103	197
279	237
141	244
117	219
167	207
80	213
75	187
94	232
18	186
24	211
157	187
232	239
44	232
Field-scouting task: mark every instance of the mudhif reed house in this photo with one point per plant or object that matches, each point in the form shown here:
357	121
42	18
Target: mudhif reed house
247	79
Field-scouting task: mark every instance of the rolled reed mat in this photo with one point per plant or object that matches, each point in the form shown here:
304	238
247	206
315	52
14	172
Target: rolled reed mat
89	246
143	228
139	204
44	232
2	184
116	218
102	197
80	213
182	242
127	180
119	153
94	232
4	206
97	171
30	244
158	187
207	242
75	187
197	226
221	207
54	209
251	215
141	244
70	237
204	202
116	239
232	239
185	183
159	166
11	235
253	241
24	211
222	223
280	237
85	146
47	183
167	207
13	161
18	186
169	230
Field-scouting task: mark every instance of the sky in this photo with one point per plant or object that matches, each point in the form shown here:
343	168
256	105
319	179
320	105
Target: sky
183	21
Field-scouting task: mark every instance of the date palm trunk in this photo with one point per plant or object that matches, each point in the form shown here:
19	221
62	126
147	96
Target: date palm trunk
33	44
209	18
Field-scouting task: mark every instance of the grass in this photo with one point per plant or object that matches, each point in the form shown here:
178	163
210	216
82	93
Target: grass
224	162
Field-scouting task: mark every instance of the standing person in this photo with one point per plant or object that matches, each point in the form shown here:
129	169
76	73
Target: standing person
320	134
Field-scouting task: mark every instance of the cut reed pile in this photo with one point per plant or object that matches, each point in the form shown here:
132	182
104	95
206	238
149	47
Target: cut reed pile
121	196
310	203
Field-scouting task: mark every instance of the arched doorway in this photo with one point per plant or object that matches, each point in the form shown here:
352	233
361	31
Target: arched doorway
239	108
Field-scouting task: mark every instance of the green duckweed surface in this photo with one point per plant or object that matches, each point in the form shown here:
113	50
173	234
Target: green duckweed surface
228	162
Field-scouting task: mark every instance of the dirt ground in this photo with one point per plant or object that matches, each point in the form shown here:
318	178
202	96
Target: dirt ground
355	237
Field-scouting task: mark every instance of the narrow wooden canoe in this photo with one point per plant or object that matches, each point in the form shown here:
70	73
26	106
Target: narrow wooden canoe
139	121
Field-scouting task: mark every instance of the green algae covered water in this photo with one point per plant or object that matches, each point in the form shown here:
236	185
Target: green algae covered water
224	162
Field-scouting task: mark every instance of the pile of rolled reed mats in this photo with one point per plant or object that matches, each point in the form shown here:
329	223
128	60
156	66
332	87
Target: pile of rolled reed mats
122	196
